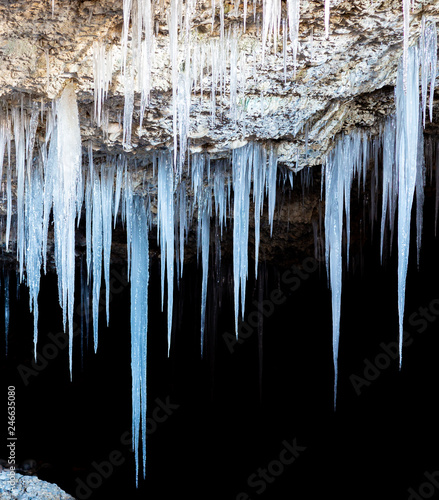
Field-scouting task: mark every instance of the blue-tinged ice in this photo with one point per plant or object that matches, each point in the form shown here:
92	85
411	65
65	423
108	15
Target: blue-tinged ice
66	180
107	191
139	277
6	289
241	176
97	246
407	136
165	230
428	57
204	220
390	181
34	239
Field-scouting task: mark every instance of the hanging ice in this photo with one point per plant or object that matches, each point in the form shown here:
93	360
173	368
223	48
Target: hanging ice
242	170
428	56
97	246
107	190
294	20
65	182
407	135
34	239
165	230
205	208
390	181
139	277
327	13
6	289
342	163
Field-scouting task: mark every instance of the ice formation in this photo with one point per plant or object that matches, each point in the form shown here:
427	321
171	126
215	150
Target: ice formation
53	184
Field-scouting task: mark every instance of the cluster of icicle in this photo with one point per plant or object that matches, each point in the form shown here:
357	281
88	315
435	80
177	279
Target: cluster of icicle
192	59
53	184
401	141
55	187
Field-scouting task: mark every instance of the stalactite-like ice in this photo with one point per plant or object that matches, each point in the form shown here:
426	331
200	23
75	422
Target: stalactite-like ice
242	171
66	180
327	14
294	21
139	278
97	246
107	190
102	75
33	216
205	208
390	184
428	56
407	136
165	230
6	290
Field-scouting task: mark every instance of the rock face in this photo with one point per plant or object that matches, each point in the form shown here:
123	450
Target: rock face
338	83
223	80
29	488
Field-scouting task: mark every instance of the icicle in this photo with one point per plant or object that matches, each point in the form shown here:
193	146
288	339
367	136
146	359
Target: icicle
183	228
89	210
294	21
406	29
34	241
389	180
271	24
407	135
436	205
428	56
242	170
97	245
19	139
327	12
271	185
259	176
120	166
102	76
333	242
107	188
420	184
139	323
205	241
165	230
6	289
173	48
66	180
128	109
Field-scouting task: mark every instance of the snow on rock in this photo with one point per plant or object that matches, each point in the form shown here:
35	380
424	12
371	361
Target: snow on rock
29	488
